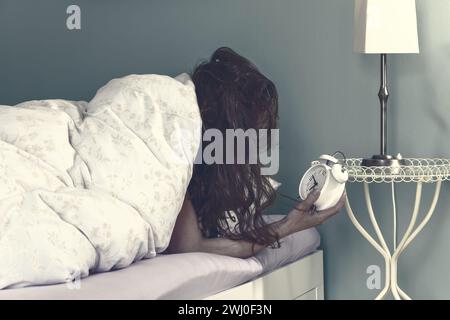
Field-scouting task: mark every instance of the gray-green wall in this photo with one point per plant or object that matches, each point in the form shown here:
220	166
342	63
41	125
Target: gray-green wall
327	94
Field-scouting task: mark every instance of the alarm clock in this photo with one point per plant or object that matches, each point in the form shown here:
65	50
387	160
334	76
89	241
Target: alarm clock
329	177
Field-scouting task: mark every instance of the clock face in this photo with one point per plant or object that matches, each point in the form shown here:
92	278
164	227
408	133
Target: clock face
314	179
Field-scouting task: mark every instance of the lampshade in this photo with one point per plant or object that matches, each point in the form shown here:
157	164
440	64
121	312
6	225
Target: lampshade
385	26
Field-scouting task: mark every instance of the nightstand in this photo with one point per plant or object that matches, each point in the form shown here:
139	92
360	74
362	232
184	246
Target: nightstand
418	171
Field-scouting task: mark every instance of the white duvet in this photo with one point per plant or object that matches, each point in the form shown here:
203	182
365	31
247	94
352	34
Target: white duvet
94	186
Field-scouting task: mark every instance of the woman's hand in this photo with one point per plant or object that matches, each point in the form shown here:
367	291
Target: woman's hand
303	216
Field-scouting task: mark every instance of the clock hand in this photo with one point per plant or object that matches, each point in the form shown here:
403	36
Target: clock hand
315	183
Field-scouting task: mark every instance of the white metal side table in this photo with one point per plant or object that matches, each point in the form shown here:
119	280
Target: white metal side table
417	171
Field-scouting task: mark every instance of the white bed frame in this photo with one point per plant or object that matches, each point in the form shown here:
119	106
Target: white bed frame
300	280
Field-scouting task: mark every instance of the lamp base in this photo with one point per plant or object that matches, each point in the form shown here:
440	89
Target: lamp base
383	161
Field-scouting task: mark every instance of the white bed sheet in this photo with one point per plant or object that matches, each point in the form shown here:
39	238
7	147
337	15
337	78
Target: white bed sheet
177	276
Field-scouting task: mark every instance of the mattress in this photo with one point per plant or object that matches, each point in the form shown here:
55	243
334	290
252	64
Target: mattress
175	276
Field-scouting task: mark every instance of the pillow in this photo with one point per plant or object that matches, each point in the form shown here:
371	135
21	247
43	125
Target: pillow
139	139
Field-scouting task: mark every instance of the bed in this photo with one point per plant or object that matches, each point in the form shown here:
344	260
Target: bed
294	271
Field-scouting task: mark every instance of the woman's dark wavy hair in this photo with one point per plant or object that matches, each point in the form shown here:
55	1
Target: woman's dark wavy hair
233	94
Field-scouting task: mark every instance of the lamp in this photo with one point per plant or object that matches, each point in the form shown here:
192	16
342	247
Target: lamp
385	27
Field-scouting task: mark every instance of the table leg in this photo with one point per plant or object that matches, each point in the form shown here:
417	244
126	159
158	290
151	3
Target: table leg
394	259
385	253
408	237
391	261
387	256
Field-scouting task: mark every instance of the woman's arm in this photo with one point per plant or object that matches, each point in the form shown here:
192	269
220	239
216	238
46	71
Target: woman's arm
187	236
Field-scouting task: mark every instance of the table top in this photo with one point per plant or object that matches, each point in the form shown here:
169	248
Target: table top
414	170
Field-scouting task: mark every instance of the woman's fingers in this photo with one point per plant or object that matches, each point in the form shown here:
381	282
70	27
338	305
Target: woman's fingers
303	217
309	201
328	213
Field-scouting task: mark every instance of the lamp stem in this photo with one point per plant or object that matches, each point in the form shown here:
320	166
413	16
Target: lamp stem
383	95
383	159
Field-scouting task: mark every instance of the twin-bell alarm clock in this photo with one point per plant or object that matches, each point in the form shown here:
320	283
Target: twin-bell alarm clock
326	175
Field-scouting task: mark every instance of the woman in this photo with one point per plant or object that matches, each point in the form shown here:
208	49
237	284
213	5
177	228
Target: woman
232	93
